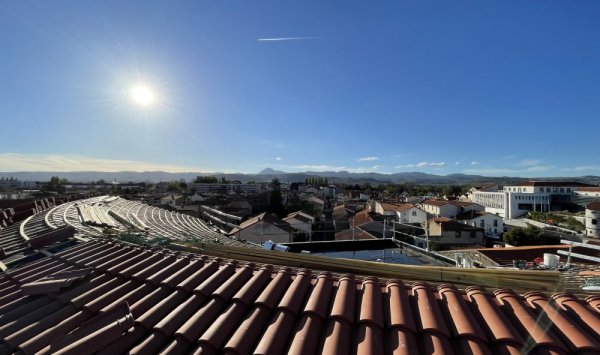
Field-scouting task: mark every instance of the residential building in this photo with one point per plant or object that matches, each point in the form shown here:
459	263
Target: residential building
443	208
329	191
172	200
516	200
301	221
403	213
444	230
492	224
440	208
592	218
264	227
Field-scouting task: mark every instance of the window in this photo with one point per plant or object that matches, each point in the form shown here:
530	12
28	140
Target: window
414	213
473	234
568	189
541	189
547	189
562	189
594	221
554	189
495	223
457	234
482	223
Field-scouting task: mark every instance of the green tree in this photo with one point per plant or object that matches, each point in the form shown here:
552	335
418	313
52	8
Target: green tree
275	206
173	186
206	180
529	236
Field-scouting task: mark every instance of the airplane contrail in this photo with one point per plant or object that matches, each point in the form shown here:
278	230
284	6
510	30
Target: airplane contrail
284	39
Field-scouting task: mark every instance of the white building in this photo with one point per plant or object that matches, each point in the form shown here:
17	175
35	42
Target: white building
301	221
440	208
443	208
592	216
516	200
403	213
411	214
492	224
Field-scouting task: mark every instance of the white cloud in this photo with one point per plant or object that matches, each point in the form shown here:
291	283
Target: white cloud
507	171
529	162
422	164
275	39
320	167
368	159
456	163
586	168
474	162
63	163
278	158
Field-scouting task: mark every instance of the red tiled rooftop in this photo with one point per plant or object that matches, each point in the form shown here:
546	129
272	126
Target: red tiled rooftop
156	301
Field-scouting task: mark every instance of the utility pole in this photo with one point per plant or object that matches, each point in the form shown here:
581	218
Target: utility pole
426	235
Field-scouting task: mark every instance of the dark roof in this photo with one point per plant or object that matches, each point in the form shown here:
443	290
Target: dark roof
471	214
594	206
267	218
119	298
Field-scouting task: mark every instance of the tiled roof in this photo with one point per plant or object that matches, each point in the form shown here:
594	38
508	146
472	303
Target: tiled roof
267	218
113	298
594	206
397	208
436	202
589	189
357	234
361	218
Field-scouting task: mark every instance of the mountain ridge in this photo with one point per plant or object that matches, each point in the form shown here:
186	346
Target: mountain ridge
268	174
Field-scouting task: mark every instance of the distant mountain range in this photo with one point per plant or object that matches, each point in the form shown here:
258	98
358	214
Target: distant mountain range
268	174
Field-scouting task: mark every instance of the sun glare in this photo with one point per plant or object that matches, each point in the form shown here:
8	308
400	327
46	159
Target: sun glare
142	95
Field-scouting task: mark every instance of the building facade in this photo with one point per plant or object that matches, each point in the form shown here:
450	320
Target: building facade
516	200
592	218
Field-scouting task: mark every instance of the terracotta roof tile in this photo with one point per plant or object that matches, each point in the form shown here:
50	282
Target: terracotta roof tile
183	304
338	335
430	317
306	339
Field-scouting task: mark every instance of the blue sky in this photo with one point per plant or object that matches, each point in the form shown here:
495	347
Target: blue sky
482	87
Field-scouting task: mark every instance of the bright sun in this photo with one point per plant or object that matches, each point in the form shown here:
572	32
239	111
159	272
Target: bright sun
142	95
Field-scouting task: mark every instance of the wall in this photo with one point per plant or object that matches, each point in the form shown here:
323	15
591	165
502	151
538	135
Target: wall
592	229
